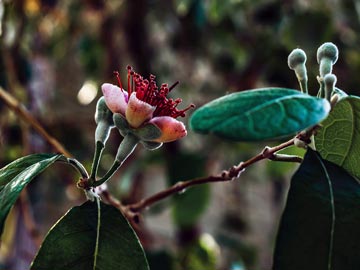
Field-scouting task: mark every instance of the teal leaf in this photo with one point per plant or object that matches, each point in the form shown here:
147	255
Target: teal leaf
91	236
260	114
338	140
320	226
15	176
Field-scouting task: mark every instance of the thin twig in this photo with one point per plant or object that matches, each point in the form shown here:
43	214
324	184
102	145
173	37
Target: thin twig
24	114
228	175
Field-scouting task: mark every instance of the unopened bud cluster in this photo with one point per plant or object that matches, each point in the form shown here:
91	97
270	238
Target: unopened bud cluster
327	55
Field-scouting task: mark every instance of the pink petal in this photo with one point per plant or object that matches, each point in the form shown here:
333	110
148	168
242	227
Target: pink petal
171	128
115	98
138	111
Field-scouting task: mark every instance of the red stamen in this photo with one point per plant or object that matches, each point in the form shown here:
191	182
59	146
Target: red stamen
129	68
117	74
147	91
182	112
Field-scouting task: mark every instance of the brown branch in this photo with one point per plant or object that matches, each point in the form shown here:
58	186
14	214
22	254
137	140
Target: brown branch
24	114
110	199
228	175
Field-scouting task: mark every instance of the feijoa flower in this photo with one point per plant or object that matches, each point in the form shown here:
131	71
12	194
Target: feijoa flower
144	104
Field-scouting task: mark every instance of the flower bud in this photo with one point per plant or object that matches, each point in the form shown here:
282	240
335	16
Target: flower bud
329	81
127	146
296	62
327	55
102	112
104	121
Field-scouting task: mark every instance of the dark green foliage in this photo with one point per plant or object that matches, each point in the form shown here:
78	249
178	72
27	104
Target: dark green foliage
338	140
15	176
8	172
304	239
83	239
160	260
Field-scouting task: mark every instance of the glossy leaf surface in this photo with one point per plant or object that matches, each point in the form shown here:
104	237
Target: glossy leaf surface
8	172
88	237
15	176
260	114
309	236
338	140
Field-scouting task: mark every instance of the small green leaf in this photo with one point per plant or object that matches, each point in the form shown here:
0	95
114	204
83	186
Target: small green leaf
15	176
320	226
338	140
91	236
259	114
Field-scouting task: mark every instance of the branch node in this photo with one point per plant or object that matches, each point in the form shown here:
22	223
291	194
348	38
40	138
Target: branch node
266	151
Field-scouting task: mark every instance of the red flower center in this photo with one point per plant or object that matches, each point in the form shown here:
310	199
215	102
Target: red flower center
147	91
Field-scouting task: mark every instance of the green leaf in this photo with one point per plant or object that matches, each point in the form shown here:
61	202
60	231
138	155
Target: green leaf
320	226
15	176
259	114
91	236
8	172
188	206
338	140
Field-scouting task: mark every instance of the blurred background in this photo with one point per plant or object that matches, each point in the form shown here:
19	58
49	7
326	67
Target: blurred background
55	55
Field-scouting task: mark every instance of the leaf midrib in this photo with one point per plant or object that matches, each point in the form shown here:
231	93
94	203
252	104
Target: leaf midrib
96	251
